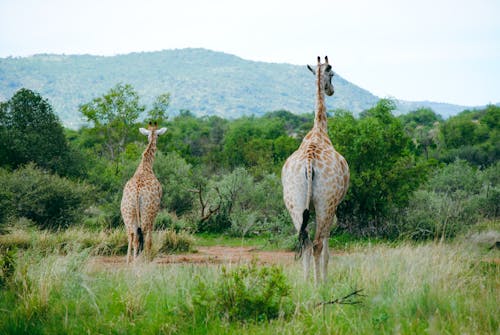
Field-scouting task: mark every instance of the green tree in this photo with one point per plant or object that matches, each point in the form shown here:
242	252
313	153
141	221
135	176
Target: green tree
159	111
422	116
473	136
177	179
422	125
249	142
113	116
384	173
31	132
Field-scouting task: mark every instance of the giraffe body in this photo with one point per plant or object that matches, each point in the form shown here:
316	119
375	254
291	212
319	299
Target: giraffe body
141	198
315	174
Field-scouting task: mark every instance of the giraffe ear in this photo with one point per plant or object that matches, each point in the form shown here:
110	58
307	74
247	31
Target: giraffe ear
161	131
311	69
144	131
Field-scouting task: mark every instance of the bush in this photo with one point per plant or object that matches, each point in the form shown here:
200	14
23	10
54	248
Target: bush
172	242
176	176
435	215
165	220
6	206
247	206
7	265
455	197
46	199
254	293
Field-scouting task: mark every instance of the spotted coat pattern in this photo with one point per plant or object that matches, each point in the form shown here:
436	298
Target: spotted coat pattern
141	198
316	174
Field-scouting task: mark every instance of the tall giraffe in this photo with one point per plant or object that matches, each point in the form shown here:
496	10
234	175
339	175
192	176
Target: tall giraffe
141	197
315	173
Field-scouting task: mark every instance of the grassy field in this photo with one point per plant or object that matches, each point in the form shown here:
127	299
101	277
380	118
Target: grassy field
431	288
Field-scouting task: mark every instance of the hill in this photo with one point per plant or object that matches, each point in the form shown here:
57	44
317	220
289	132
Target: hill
202	81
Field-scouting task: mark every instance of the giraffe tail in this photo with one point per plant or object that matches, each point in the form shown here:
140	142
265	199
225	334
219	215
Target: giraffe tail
309	179
139	234
304	240
140	237
303	234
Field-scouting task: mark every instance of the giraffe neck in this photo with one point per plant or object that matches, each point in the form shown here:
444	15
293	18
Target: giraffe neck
148	157
320	116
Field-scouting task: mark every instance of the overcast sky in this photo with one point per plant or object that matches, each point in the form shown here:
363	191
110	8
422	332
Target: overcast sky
444	51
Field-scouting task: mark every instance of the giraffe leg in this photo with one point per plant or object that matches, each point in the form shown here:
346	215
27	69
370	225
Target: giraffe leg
149	244
135	242
317	250
306	260
325	256
321	249
326	251
129	246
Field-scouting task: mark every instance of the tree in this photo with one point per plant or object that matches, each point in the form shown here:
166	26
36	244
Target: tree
159	111
383	170
422	125
249	142
113	115
422	116
473	136
31	132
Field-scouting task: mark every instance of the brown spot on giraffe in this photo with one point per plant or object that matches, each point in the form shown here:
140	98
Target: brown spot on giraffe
141	197
316	174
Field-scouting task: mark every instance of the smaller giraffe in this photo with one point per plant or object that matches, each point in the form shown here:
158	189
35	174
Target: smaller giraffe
315	174
141	197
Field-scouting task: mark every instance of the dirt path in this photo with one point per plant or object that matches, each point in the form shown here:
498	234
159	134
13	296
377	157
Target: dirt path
209	255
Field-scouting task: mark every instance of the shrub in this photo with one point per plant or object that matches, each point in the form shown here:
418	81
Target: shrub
247	206
172	242
435	215
48	200
250	292
7	265
175	175
163	221
6	206
454	198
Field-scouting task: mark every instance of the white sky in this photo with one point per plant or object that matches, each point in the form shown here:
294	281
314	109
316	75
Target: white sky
444	51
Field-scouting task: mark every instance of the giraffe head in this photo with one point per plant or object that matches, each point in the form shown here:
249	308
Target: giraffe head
152	132
324	72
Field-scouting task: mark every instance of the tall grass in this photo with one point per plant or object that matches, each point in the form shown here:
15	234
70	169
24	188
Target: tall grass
409	289
102	242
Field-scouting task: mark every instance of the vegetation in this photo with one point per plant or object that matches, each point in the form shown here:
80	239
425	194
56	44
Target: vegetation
222	176
203	81
415	177
47	200
408	288
27	121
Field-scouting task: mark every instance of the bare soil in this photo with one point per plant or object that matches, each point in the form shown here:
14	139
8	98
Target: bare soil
209	256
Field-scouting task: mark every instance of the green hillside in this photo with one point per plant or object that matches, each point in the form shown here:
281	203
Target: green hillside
202	81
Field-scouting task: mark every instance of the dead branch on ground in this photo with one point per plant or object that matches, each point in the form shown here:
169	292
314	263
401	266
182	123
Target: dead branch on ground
345	300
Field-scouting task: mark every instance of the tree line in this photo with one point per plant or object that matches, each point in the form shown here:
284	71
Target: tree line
413	175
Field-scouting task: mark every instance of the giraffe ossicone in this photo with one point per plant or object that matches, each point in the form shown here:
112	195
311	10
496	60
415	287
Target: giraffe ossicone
315	174
141	197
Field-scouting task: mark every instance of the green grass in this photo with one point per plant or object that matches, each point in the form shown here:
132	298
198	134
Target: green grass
104	242
449	288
